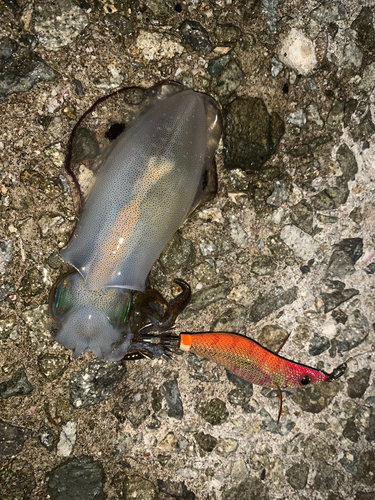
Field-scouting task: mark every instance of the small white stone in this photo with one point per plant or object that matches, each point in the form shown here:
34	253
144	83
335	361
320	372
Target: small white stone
352	55
313	116
53	104
276	217
212	214
368	78
157	46
329	328
298	52
295	195
302	244
242	294
187	473
298	118
237	233
67	440
276	67
56	154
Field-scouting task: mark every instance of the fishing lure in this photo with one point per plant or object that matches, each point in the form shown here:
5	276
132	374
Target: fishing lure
250	361
142	186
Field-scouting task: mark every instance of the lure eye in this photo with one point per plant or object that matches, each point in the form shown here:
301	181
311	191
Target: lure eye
305	380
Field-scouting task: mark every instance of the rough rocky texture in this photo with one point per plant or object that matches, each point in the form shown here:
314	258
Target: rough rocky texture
80	478
286	248
11	439
249	144
21	68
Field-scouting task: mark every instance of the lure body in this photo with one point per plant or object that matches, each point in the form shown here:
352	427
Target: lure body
148	181
249	360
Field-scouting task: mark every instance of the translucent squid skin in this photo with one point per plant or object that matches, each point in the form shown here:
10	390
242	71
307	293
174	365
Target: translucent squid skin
152	178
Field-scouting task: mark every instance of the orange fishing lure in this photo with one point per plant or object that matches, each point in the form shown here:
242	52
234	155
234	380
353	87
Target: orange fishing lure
249	360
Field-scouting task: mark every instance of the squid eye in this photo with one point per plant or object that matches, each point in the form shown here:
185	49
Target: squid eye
305	380
63	299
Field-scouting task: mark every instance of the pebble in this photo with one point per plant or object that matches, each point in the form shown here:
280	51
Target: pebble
17	385
318	344
368	78
52	366
21	68
297	475
213	411
298	118
239	470
140	488
205	441
226	447
80	478
340	265
298	52
227	33
329	12
279	194
48	224
269	10
355	331
229	79
334	299
263	266
133	407
175	490
173	399
301	243
233	320
336	115
302	216
347	162
237	233
366	466
215	66
57	24
272	337
47	437
352	55
315	398
195	35
179	253
207	247
67	439
31	284
358	384
5	255
12	439
271	301
249	489
157	46
246	118
313	116
276	67
95	382
327	478
207	296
